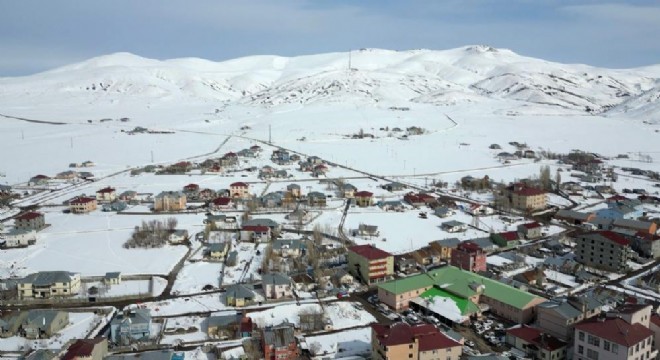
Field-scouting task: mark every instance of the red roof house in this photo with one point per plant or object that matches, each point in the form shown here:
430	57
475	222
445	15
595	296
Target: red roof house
616	330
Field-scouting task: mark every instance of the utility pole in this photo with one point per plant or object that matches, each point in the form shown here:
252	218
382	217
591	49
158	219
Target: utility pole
152	156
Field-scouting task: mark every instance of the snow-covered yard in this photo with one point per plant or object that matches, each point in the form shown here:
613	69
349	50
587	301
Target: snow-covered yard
193	277
342	314
340	344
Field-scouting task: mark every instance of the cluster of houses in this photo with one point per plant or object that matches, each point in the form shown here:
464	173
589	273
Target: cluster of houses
24	232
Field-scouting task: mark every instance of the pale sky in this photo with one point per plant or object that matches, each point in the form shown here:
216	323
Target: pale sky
40	35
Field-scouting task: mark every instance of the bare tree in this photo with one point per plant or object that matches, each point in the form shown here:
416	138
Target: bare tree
172	223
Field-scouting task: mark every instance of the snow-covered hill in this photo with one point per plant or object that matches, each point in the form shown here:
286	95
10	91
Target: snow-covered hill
471	74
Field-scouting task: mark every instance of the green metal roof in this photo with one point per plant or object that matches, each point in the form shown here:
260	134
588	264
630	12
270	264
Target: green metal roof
461	283
466	306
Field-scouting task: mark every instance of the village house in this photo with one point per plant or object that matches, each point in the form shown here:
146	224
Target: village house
468	256
417	342
277	286
228	159
239	190
647	245
478	209
228	327
294	190
612	338
239	295
363	198
366	230
48	284
170	201
299	216
38	180
574	217
106	194
221	203
536	344
347	191
255	233
453	226
391	205
37	324
181	167
445	247
87	349
191	189
417	200
30	221
273	225
506	239
342	277
178	236
278	342
82	205
218	250
272	200
427	256
130	326
531	230
112	278
289	247
319	170
370	264
67	175
394	186
246	153
316	199
128	195
221	222
116	205
18	238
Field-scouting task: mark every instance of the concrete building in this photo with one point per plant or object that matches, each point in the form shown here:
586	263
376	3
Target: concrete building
370	264
131	326
418	342
37	324
30	221
468	256
82	205
278	342
18	238
239	190
604	250
536	344
528	199
612	339
48	284
106	194
277	286
170	201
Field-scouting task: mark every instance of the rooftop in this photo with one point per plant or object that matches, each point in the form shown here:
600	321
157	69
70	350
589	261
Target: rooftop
369	251
615	330
536	337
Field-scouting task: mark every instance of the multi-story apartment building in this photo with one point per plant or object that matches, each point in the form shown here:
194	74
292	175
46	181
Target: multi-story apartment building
278	342
418	342
48	284
612	339
106	194
468	256
82	204
30	221
527	198
604	250
370	264
239	190
170	201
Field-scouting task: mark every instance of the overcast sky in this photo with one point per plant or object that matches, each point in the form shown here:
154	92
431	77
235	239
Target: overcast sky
39	35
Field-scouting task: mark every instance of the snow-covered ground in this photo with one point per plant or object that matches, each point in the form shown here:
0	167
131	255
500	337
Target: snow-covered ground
193	277
247	264
192	329
152	287
342	314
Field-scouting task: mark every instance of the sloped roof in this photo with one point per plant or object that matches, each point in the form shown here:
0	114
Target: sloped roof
239	291
607	236
616	330
29	215
369	251
536	337
279	336
275	279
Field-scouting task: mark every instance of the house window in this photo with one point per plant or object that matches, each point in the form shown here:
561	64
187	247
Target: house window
592	354
606	345
410	356
410	346
581	336
580	349
615	348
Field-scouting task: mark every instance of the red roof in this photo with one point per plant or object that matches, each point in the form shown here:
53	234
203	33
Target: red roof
106	190
536	337
82	348
82	200
230	154
363	194
646	236
239	184
369	251
616	198
528	191
429	337
612	236
655	319
509	235
191	187
469	246
40	177
29	216
221	201
256	228
616	330
435	341
532	225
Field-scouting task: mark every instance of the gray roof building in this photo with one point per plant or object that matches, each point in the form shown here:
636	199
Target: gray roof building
275	279
279	335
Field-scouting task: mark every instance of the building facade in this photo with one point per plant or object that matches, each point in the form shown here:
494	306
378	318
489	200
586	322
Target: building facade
170	201
468	256
604	250
612	339
82	205
418	342
30	221
528	199
369	264
48	284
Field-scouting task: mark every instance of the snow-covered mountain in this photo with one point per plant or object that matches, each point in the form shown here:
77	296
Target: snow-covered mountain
470	74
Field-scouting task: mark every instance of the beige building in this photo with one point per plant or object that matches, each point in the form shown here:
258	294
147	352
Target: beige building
612	339
528	199
48	284
418	342
239	190
81	205
277	286
370	264
170	201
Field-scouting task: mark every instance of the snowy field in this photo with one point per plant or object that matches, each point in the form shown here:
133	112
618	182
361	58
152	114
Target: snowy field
80	325
193	328
129	287
91	244
247	264
342	314
193	277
